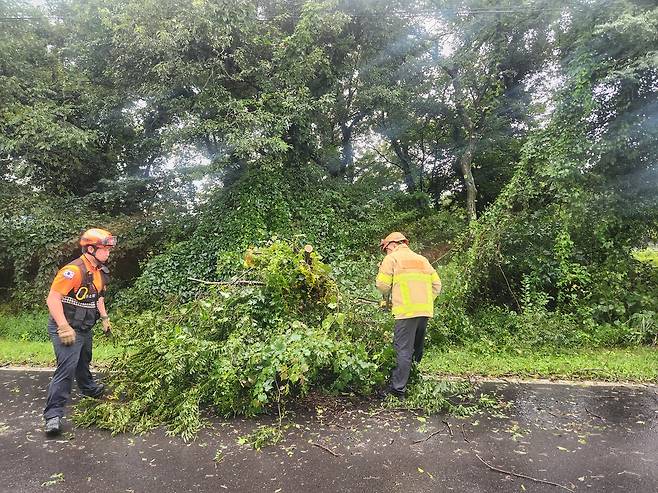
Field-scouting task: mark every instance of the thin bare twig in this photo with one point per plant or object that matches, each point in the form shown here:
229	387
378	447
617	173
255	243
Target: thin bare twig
464	435
228	283
240	277
554	415
384	157
212	72
449	428
518	305
278	402
429	436
325	448
595	415
521	475
451	249
367	301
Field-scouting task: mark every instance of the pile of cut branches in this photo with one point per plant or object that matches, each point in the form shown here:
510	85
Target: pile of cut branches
275	329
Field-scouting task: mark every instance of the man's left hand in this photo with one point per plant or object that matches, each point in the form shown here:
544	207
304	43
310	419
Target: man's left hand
107	326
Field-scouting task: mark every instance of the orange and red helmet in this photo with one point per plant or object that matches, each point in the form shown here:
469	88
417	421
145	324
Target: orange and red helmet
97	237
393	237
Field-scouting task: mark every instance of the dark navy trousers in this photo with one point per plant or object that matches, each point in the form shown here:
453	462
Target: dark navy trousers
72	362
408	341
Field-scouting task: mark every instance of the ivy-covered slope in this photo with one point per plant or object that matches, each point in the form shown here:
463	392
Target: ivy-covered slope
300	205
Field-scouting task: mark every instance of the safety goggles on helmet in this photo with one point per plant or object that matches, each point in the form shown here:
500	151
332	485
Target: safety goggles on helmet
109	241
97	237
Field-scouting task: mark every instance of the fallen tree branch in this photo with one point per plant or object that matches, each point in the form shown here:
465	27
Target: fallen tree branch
449	251
595	415
367	301
552	414
429	436
464	435
449	428
325	448
227	283
510	473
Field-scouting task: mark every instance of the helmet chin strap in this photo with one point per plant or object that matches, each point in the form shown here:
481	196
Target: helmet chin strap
98	261
99	264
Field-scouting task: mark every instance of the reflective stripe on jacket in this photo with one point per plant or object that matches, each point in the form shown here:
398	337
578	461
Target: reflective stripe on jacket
411	281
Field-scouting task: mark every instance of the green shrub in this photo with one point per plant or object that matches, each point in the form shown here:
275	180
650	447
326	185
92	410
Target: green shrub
39	234
647	255
26	326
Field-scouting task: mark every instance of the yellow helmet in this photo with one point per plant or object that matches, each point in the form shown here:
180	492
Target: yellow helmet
393	237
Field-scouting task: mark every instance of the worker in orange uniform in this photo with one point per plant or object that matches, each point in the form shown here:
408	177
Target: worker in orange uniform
412	285
76	301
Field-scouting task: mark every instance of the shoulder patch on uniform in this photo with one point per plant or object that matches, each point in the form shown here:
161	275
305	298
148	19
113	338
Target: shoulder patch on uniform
68	273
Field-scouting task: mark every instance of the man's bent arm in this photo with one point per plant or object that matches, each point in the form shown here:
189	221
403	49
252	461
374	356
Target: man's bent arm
436	284
384	281
54	302
100	304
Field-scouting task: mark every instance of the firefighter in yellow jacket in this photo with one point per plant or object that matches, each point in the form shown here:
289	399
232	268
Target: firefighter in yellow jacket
411	284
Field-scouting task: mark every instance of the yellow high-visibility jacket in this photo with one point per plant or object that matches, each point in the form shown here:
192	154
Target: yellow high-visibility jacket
412	282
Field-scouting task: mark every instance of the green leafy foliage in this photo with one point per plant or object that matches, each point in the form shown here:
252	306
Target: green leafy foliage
456	398
347	221
648	255
40	233
29	326
332	124
555	249
262	436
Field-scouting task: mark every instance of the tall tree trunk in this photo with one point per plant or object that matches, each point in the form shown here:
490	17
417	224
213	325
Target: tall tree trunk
406	165
466	165
466	159
347	158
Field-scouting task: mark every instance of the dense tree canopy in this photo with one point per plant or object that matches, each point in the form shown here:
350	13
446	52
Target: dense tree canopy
201	126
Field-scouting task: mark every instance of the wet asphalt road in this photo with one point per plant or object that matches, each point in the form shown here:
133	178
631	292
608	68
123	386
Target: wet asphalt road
596	438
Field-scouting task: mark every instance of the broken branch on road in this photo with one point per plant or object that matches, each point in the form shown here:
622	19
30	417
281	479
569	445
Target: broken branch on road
510	473
595	415
430	435
325	448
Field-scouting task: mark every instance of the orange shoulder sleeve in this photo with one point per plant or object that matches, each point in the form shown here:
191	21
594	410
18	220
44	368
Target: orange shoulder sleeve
69	277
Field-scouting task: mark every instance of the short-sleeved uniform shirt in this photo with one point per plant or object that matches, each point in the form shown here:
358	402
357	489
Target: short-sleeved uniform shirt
69	278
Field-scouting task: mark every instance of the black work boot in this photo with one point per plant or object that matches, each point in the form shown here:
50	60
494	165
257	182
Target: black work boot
53	426
97	393
397	394
388	390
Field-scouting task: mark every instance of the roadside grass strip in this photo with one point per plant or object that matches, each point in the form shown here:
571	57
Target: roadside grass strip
639	364
40	354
